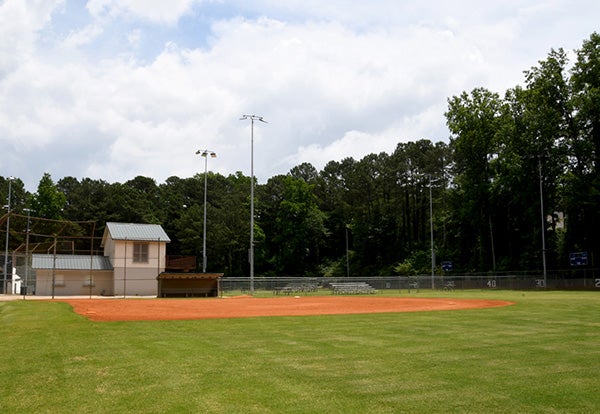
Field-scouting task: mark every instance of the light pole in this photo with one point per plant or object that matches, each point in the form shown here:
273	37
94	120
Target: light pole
10	179
431	234
347	255
252	118
205	154
543	221
28	210
431	181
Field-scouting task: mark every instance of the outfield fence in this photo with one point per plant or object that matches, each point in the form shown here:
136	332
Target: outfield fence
588	279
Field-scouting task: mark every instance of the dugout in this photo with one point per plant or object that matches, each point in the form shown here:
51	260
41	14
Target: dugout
188	284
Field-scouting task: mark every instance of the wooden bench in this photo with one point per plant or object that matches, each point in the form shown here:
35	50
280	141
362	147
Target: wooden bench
351	288
188	291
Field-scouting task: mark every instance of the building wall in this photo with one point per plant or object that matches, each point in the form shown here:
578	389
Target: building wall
73	282
109	249
135	282
135	278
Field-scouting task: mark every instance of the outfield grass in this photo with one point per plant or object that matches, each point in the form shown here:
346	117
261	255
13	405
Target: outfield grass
541	355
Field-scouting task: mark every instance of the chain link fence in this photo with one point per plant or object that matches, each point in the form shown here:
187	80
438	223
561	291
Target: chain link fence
21	279
581	279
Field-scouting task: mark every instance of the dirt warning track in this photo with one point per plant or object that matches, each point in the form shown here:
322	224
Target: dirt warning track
246	307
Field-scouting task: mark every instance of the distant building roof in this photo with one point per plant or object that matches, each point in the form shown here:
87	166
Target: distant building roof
70	262
135	231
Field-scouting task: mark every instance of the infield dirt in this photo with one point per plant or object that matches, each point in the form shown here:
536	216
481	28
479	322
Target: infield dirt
246	307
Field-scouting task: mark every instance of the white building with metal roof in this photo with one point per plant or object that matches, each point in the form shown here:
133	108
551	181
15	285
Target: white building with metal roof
134	255
70	274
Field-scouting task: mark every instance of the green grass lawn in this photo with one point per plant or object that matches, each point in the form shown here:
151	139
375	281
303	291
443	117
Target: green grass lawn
541	355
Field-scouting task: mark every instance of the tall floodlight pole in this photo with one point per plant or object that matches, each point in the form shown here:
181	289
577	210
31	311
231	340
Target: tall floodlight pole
205	154
10	179
347	255
28	210
252	118
543	222
431	234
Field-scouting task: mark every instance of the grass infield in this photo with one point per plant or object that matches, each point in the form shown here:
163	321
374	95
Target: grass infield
541	355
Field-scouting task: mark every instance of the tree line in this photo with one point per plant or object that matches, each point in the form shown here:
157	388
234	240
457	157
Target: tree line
519	170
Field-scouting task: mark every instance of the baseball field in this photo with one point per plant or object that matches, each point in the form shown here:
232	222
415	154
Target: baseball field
523	352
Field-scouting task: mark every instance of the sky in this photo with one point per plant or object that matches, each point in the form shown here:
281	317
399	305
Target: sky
114	89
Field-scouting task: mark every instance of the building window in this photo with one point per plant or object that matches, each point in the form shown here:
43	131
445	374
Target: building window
59	280
140	252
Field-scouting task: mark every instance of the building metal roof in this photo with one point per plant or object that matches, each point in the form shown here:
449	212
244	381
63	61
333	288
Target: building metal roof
137	232
70	262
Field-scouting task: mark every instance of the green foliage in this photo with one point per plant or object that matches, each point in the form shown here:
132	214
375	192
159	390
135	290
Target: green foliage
48	202
504	149
294	226
19	198
227	220
418	263
582	184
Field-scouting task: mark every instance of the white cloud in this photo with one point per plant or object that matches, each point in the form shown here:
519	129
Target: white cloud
356	144
84	36
345	147
156	11
20	22
134	37
332	81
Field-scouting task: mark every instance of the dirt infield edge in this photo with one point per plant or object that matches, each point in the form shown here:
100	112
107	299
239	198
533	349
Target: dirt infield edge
244	307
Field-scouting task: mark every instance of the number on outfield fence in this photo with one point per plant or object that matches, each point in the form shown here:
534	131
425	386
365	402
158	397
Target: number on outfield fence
491	283
598	283
540	283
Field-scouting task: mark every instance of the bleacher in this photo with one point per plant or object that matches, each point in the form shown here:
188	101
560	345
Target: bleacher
351	288
294	288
